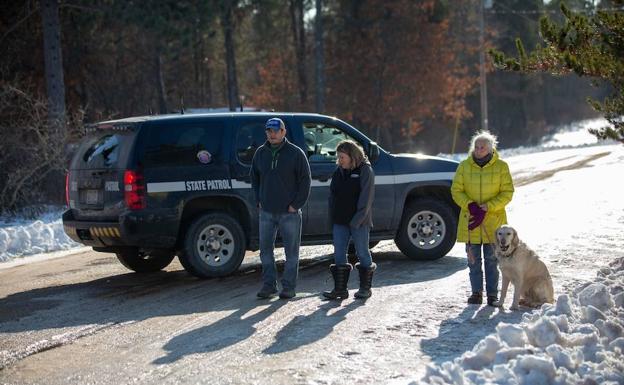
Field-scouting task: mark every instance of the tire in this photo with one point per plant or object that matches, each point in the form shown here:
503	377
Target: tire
214	246
428	229
140	262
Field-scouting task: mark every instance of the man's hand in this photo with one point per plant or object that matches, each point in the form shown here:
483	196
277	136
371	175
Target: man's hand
291	209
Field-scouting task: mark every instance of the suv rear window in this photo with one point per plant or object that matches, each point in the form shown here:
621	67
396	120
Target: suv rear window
105	150
102	150
179	145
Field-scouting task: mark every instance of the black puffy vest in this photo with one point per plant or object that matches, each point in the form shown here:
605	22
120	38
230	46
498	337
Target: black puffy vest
345	190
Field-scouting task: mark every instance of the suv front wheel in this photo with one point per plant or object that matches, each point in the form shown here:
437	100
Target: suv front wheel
428	229
214	246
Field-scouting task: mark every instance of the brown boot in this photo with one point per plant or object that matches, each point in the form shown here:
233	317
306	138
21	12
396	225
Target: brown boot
476	298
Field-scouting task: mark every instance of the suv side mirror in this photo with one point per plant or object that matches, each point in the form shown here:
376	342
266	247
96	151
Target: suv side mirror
373	152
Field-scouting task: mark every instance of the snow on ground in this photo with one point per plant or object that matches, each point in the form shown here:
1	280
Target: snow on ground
23	237
579	340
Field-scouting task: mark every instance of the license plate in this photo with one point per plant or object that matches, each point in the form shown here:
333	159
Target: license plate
92	197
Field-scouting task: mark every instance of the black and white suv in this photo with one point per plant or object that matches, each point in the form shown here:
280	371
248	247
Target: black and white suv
150	188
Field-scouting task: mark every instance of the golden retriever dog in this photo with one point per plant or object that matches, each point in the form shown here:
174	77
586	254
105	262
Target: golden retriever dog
522	267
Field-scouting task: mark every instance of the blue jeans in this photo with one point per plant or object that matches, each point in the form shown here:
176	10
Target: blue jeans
289	226
342	234
491	269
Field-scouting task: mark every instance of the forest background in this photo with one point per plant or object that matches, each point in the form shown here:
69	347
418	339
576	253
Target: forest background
404	72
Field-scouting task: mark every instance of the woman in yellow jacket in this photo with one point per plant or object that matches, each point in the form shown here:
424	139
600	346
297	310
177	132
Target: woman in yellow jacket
482	187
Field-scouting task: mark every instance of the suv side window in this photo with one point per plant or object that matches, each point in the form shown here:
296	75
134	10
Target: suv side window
321	141
175	145
249	137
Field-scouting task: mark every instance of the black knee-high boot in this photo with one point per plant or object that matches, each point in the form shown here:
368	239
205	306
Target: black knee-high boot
366	280
341	277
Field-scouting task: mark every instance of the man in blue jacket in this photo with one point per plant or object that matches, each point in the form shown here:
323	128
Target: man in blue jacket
280	177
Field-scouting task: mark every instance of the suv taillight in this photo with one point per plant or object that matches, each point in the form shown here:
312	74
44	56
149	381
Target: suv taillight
67	188
134	190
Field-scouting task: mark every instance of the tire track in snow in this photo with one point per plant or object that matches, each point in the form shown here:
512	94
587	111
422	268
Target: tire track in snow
10	357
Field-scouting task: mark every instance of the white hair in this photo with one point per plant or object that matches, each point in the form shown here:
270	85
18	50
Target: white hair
483	136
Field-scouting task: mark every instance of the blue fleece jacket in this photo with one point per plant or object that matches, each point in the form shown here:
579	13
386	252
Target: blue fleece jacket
280	177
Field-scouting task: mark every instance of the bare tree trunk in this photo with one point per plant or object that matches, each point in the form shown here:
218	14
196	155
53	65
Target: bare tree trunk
298	31
53	56
160	81
202	67
319	58
198	70
230	57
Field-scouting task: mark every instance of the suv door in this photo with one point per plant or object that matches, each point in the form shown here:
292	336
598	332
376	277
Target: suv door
183	159
321	137
321	140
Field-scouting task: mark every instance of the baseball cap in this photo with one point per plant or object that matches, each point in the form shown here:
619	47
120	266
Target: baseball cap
274	124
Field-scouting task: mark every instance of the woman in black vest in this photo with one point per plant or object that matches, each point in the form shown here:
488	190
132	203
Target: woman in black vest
350	206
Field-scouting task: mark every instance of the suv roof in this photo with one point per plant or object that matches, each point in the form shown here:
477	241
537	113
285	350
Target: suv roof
138	119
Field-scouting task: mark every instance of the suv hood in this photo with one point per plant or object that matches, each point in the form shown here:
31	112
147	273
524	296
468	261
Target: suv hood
418	163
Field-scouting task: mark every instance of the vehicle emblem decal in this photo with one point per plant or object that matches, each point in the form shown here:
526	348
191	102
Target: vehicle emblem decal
204	157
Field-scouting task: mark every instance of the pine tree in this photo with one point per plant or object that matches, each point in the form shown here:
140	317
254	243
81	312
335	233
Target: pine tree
589	45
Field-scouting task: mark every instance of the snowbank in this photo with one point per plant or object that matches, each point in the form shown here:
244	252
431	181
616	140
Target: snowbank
23	238
578	340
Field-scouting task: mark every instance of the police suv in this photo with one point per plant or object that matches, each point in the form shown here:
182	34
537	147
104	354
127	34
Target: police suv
150	188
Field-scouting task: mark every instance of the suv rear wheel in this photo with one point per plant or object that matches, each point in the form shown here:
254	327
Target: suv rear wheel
428	229
137	260
214	246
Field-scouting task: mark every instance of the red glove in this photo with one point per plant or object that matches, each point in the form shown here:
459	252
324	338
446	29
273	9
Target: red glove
477	214
474	208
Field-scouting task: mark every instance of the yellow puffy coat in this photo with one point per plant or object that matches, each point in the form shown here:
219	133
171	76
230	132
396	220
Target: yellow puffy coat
491	185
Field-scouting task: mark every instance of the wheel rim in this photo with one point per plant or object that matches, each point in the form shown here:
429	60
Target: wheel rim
215	245
426	229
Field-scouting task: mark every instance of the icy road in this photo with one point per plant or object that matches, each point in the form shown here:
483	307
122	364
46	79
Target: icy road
84	319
